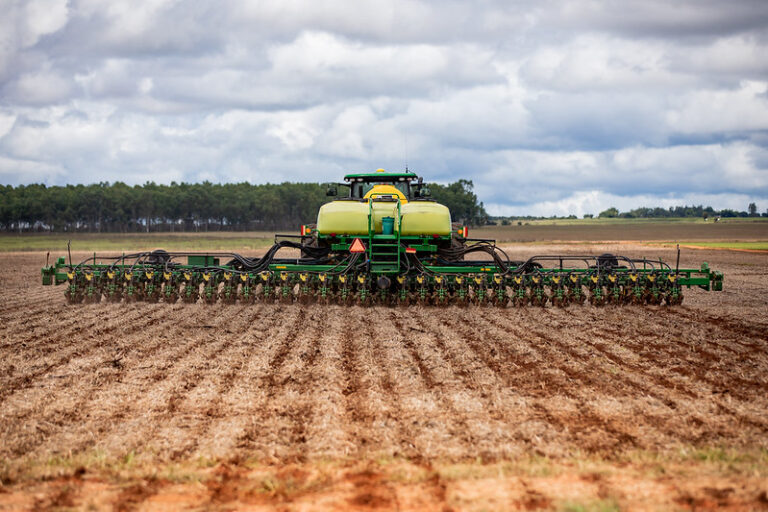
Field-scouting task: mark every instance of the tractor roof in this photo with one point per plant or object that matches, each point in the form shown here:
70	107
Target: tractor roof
381	176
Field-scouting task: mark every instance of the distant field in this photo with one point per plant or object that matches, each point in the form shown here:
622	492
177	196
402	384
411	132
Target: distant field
119	242
729	233
600	230
622	221
741	246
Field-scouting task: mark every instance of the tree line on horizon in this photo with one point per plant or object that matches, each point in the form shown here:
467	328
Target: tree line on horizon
679	211
117	207
658	212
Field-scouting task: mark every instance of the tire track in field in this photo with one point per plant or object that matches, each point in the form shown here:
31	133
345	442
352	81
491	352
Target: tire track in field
357	394
743	327
139	413
310	356
429	429
586	418
198	409
230	406
89	368
302	383
671	430
75	351
488	422
266	383
582	331
262	366
38	302
98	399
326	432
49	343
703	367
381	341
376	393
520	373
286	413
459	402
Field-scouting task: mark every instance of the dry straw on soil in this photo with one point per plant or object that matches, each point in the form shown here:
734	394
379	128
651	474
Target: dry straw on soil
426	389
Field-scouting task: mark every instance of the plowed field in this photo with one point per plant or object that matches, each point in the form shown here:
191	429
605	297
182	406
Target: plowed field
307	406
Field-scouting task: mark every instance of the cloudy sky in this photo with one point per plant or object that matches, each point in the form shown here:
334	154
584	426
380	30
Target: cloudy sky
549	107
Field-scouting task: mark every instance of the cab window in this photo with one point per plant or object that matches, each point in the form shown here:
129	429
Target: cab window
360	189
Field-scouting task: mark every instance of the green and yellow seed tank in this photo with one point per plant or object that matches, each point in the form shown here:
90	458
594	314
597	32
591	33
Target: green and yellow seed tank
350	217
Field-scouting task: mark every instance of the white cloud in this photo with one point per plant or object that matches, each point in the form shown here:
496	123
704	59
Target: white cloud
723	110
6	123
43	17
603	63
595	201
23	23
543	179
545	106
738	56
31	170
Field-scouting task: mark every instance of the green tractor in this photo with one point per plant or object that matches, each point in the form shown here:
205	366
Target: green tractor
387	242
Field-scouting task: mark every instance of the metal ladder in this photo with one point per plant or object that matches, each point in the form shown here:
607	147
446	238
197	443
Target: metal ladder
383	250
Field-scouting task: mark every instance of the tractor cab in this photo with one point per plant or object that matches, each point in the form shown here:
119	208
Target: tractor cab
405	186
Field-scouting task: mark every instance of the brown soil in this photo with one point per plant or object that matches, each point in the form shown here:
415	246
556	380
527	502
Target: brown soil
325	407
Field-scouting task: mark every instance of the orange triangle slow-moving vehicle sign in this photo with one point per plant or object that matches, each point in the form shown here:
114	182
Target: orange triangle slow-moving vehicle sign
357	246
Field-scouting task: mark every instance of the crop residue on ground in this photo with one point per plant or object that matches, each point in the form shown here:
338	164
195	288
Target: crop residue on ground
365	407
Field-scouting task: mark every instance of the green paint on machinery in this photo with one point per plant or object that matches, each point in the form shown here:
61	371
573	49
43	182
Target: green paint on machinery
386	243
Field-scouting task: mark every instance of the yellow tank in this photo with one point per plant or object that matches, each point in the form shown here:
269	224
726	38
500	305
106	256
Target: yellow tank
425	218
351	218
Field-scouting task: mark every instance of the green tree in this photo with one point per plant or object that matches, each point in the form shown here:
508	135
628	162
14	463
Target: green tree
461	200
118	207
609	213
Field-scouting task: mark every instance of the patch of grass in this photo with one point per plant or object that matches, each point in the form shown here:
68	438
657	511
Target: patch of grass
730	460
114	467
608	505
714	459
754	246
682	462
528	466
290	485
205	462
177	474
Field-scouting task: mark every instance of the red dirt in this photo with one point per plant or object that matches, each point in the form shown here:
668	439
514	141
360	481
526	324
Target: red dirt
318	396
